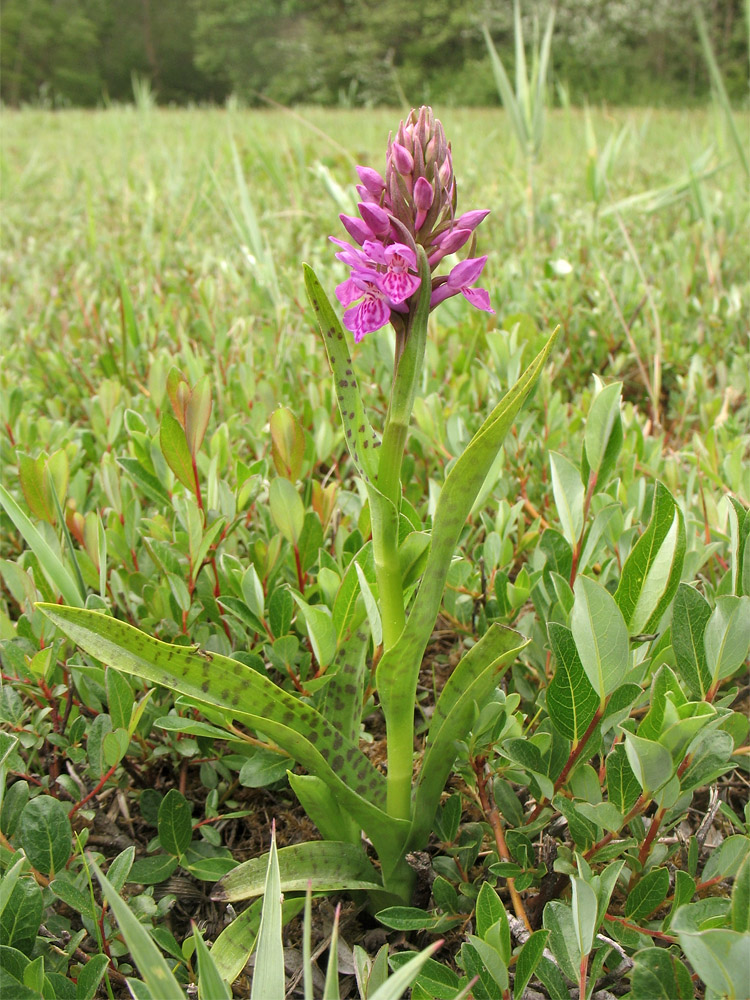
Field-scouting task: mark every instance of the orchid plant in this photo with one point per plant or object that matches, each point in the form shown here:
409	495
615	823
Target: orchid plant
407	229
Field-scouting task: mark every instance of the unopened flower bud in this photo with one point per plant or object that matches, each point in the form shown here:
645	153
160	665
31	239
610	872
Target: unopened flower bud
375	217
371	180
402	159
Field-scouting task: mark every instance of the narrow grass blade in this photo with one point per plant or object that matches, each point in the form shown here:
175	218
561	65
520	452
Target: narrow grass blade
505	92
721	91
55	571
331	987
147	956
211	985
268	978
393	988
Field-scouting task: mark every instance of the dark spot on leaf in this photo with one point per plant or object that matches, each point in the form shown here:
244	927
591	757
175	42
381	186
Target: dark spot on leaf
338	762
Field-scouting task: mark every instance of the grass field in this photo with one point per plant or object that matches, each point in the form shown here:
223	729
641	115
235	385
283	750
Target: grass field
138	240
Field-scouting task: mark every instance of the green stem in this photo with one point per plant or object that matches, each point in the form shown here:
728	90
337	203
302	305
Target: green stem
408	370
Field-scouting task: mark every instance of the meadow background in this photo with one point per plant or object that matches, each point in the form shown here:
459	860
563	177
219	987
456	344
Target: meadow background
138	239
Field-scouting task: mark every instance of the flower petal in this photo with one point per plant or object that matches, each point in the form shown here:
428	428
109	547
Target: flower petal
478	297
467	272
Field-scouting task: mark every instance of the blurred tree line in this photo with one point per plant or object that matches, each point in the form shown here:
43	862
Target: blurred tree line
356	52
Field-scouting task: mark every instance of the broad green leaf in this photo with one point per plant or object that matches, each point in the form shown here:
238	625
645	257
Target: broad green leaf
727	860
120	867
727	636
435	978
320	629
603	436
287	443
568	492
739	527
571	700
371	607
584	907
197	414
652	571
690	614
119	699
488	910
361	440
659	975
211	985
650	761
623	787
327	865
287	509
20	920
528	960
470	684
89	977
175	824
56	572
407	918
263	768
145	480
175	449
9	880
149	959
64	888
720	957
153	870
491	960
741	898
601	637
563	940
251	698
35	486
45	834
647	894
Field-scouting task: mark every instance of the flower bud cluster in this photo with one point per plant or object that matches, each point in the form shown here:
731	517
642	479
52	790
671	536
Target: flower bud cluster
413	205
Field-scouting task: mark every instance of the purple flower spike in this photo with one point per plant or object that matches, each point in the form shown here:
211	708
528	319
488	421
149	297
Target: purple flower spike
409	209
372	181
376	218
463	275
356	228
402	159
